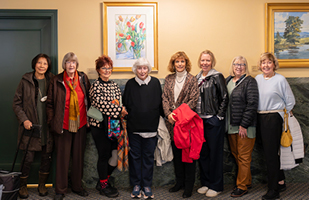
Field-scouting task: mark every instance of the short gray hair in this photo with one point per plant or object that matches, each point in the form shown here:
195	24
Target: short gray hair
141	62
69	56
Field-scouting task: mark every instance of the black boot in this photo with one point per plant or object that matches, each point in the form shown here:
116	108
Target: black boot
271	194
176	187
109	191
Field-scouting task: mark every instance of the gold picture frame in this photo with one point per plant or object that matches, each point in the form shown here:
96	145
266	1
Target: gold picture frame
285	33
130	31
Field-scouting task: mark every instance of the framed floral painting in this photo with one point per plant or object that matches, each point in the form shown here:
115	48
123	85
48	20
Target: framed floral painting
287	33
130	32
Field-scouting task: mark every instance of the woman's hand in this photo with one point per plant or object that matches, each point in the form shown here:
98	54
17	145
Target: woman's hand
27	124
242	132
171	118
124	111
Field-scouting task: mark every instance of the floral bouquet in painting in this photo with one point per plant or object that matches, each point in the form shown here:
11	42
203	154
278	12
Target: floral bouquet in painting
130	35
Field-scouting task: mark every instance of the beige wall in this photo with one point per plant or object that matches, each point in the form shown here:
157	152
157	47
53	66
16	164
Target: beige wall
226	27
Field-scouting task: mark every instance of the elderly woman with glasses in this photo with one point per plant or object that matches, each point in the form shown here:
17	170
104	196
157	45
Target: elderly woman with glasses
142	99
67	102
241	121
105	96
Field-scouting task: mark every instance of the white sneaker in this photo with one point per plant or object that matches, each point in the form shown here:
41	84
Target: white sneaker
202	190
212	193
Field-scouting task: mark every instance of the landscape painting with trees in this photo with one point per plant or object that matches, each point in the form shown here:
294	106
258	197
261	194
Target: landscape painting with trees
291	35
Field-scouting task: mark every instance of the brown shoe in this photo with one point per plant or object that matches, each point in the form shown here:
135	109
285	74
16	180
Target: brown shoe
42	180
23	192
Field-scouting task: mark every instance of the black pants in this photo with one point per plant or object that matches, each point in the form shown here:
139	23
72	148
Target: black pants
45	162
105	146
270	129
211	156
141	159
184	172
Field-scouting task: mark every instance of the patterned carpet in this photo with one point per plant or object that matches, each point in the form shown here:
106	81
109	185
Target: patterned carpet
295	191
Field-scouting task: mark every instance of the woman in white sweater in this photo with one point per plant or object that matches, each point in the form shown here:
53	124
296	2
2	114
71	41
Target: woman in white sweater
275	94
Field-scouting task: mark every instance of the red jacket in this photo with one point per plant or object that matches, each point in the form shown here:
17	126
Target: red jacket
188	133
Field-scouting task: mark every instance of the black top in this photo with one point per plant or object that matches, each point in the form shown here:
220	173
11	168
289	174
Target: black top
144	105
244	101
214	95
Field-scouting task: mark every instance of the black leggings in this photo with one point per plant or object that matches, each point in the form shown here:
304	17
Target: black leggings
105	146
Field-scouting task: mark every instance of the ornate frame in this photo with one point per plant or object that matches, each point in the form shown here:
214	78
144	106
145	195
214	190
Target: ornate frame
270	10
120	20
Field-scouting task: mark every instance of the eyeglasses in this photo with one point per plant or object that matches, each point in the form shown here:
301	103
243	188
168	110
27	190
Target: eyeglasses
106	69
70	62
239	65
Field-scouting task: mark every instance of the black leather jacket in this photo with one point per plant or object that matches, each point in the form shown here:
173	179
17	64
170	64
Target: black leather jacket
214	95
244	101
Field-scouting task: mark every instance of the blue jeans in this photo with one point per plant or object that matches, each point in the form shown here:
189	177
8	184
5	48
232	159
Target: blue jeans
141	159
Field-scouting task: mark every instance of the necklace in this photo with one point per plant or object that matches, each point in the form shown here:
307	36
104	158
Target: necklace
43	99
267	78
184	77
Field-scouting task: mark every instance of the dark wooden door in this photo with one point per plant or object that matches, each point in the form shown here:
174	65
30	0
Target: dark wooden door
23	34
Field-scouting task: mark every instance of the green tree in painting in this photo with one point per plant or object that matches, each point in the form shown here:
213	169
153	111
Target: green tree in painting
278	38
293	26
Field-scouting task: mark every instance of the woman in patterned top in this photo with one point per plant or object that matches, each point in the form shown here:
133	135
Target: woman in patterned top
180	87
105	96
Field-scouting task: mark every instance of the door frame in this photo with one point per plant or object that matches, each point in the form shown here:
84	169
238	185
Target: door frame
39	14
52	15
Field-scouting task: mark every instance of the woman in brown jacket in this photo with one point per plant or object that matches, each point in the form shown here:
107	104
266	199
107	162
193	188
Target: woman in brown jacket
29	105
180	87
67	101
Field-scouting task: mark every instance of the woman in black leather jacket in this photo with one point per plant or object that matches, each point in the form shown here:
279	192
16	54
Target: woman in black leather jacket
211	107
241	118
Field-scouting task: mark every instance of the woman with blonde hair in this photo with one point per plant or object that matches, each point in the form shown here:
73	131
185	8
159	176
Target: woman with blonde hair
211	107
241	121
275	94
